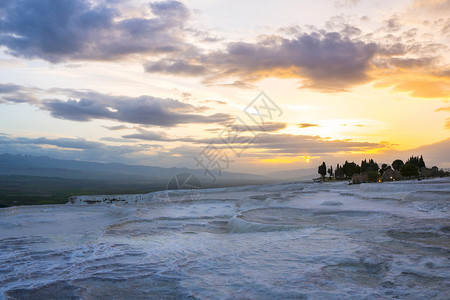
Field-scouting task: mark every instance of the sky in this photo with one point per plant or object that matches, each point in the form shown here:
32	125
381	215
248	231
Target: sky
178	83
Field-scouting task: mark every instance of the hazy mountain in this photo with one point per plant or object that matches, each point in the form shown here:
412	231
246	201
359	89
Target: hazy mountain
43	166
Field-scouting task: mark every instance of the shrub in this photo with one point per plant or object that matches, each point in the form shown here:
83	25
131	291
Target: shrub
373	176
397	164
409	170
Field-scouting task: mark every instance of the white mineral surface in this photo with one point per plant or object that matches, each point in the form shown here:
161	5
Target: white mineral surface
282	241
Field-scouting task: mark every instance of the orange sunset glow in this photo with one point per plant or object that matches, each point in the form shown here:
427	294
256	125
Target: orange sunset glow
363	79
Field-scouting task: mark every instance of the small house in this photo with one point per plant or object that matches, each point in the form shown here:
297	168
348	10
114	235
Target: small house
391	175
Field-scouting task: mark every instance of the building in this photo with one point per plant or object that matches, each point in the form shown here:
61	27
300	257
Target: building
425	172
360	178
391	175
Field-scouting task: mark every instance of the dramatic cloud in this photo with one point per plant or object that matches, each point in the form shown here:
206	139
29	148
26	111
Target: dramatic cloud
330	60
305	144
325	61
333	59
145	110
266	143
270	144
87	106
417	69
275	143
59	30
161	136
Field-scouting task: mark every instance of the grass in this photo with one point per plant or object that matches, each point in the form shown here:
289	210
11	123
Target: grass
32	190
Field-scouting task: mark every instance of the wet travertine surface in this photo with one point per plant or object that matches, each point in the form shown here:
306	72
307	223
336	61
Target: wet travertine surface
284	241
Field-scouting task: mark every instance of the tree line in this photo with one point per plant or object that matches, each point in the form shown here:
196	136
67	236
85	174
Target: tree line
409	169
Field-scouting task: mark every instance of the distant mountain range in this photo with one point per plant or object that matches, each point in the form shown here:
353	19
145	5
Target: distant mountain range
43	166
31	180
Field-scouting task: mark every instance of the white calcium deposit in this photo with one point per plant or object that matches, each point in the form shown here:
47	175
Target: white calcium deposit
281	241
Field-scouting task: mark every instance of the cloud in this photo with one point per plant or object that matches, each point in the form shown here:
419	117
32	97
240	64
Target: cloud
333	59
84	106
118	127
261	144
265	145
69	143
235	84
163	137
14	93
216	101
289	144
306	125
345	3
160	136
323	60
149	136
393	24
410	63
175	67
447	108
9	88
416	85
447	123
72	143
89	30
268	127
78	148
420	72
424	88
145	110
431	8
